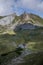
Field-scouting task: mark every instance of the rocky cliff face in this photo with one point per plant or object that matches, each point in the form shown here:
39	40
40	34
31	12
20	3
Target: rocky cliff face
11	21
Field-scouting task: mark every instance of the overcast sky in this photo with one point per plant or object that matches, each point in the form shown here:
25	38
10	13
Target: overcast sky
19	6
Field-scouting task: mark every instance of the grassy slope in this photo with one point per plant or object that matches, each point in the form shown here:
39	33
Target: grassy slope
33	39
33	59
36	18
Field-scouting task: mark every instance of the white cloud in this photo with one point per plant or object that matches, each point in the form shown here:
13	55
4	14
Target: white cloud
32	4
8	6
40	6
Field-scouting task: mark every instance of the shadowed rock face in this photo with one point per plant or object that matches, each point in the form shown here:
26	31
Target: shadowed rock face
25	26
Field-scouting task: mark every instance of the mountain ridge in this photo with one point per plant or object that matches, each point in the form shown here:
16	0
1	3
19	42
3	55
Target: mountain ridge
9	37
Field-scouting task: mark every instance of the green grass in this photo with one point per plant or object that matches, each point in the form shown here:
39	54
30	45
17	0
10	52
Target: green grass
4	60
33	38
33	59
36	18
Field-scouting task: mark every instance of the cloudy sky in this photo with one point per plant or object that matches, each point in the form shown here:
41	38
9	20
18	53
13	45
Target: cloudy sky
19	6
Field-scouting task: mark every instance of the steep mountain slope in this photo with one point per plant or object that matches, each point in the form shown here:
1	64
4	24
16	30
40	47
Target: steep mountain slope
11	21
15	30
6	23
24	32
31	18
